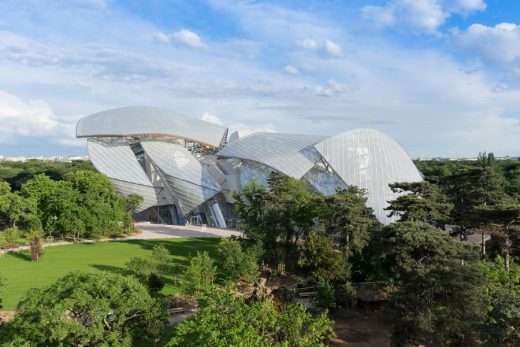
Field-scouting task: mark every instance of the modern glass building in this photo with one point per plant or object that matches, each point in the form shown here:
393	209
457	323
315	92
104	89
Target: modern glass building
187	169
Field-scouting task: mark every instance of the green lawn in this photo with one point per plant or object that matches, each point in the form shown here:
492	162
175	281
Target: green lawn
23	274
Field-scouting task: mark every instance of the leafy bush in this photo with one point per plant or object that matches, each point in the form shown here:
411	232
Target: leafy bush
83	309
200	274
224	319
326	297
237	262
157	263
11	237
155	283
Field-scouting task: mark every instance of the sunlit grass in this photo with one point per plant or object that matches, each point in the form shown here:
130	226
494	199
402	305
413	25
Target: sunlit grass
23	274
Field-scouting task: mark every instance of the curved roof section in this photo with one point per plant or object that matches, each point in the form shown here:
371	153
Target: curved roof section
142	120
292	155
370	159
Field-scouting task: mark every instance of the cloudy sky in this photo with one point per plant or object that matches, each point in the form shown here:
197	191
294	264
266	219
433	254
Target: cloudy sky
442	77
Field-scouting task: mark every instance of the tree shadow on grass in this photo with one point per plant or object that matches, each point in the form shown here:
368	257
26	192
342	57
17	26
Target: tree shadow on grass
24	255
185	248
172	279
113	269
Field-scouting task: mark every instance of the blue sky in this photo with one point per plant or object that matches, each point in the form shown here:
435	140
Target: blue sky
442	77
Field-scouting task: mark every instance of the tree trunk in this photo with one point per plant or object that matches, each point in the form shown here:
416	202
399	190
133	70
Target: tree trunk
508	245
483	245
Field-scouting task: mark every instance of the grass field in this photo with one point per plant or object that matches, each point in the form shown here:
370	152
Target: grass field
23	274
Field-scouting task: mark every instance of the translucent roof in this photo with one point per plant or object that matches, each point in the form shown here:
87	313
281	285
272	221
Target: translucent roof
370	159
141	120
292	155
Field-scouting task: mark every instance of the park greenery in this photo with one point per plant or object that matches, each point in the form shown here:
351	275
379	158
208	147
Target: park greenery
442	284
55	200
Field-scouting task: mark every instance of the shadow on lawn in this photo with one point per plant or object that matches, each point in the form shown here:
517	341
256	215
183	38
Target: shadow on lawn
24	255
185	248
113	269
172	278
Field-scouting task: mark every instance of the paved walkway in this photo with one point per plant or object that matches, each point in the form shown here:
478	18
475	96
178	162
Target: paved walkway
160	231
151	231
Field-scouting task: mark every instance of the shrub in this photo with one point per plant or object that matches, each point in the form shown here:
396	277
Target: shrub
238	263
155	283
84	309
11	237
36	245
200	274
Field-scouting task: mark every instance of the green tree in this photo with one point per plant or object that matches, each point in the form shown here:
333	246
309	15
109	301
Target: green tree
36	245
200	274
101	207
420	202
13	207
229	320
419	247
346	216
441	307
237	262
470	190
132	202
278	216
318	257
440	297
504	216
86	310
502	324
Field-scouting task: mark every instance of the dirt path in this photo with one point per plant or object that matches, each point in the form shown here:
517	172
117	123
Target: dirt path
360	329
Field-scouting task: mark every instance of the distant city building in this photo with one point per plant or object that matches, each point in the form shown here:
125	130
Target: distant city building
186	169
43	158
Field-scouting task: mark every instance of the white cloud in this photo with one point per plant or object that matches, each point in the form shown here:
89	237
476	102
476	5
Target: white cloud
293	70
499	44
24	118
162	37
465	6
330	89
382	85
308	44
332	49
424	16
21	119
182	37
211	118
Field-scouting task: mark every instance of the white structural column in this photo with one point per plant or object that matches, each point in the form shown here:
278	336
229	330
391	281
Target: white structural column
371	160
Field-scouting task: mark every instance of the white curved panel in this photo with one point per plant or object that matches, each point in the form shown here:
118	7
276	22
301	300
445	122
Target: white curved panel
149	194
140	120
292	155
188	180
371	160
114	158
